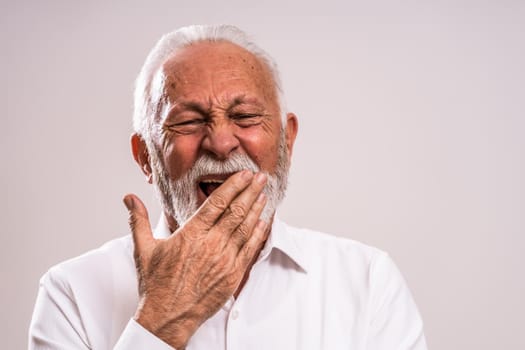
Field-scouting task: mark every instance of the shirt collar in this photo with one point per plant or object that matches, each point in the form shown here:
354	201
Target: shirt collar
280	238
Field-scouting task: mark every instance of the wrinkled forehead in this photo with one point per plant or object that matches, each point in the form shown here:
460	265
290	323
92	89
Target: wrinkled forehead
218	65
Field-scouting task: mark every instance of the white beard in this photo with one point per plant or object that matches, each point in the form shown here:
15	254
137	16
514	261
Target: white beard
179	197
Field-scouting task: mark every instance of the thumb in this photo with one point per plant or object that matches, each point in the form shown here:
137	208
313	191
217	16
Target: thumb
138	223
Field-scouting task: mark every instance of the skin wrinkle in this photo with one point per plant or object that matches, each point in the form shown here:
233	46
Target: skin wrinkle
261	75
242	104
216	260
179	66
210	109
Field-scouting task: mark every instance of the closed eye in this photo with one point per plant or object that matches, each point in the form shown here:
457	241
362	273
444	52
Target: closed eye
189	122
246	119
187	126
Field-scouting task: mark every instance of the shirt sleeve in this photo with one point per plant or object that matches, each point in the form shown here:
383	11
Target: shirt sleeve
137	337
58	324
395	323
55	323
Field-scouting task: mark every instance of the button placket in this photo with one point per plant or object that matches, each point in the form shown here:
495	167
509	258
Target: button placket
233	328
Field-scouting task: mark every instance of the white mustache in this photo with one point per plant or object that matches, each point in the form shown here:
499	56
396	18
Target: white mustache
207	165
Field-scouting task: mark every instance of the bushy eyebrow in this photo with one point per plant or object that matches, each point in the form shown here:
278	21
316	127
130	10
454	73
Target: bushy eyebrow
191	106
242	100
206	109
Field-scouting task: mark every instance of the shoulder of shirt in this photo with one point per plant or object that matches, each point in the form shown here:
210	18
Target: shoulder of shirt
96	261
307	247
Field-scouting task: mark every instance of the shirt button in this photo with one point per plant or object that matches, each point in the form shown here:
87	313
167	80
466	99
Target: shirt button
235	314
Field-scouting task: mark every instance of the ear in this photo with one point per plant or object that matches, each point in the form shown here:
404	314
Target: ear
292	126
141	155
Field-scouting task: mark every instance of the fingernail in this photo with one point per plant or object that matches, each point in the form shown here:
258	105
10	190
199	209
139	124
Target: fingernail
260	177
128	201
261	197
247	174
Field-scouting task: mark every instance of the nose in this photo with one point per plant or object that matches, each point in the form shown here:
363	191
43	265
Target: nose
220	140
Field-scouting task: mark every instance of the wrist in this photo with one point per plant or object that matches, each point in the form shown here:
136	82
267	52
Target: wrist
174	332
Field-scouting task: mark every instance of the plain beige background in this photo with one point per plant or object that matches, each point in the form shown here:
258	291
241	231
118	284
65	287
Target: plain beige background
411	139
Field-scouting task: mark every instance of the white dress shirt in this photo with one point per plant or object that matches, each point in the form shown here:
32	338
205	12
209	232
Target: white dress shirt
307	290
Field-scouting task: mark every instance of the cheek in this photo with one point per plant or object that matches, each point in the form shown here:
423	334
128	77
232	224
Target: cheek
261	147
180	153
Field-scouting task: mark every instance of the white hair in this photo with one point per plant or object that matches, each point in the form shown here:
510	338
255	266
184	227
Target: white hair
145	105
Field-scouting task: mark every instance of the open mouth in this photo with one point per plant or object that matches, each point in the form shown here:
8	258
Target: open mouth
209	183
208	186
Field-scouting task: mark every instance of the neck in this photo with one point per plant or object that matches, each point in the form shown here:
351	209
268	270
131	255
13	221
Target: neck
173	225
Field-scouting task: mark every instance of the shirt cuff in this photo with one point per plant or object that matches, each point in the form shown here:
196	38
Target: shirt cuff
137	337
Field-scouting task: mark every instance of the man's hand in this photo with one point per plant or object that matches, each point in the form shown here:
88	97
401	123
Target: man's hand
185	279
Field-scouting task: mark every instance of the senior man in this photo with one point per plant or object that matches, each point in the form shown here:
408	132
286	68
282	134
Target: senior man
220	271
